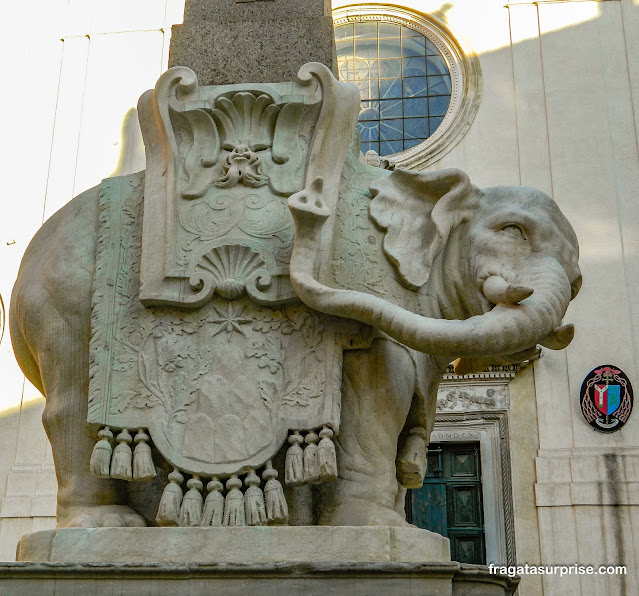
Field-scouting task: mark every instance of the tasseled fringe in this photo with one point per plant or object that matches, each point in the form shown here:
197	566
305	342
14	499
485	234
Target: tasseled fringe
234	514
294	473
169	509
213	514
100	465
326	456
411	459
191	511
253	508
254	501
311	460
121	460
276	507
143	468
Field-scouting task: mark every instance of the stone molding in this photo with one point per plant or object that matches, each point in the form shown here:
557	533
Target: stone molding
472	397
477	392
490	430
357	579
558	494
587	477
474	408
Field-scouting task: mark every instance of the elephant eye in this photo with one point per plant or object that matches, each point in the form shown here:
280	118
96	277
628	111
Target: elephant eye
514	230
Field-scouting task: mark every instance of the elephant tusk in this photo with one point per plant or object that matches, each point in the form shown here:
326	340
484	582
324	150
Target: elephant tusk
499	291
559	338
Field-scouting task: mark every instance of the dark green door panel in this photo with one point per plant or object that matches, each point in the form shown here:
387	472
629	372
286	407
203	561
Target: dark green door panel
467	548
429	510
450	502
464	505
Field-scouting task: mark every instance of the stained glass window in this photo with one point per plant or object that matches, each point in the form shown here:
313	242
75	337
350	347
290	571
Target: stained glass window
403	79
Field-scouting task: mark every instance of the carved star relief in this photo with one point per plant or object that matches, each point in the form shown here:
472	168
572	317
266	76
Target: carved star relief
230	321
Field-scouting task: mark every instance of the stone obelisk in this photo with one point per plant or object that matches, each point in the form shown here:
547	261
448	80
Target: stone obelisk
242	41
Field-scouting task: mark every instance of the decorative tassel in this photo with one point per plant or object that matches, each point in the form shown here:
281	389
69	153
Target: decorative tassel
311	460
276	507
169	509
143	468
294	475
213	514
234	514
191	511
121	460
100	465
411	458
326	456
254	501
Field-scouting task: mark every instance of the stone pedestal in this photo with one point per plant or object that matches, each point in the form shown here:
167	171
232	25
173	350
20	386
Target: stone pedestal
265	560
237	545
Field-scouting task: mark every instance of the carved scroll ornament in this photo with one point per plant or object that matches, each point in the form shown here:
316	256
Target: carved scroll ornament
221	162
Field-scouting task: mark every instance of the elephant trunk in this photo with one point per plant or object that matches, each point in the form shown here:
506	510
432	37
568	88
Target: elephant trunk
506	329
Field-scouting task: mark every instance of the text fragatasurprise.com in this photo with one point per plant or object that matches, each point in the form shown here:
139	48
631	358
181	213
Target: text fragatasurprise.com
560	570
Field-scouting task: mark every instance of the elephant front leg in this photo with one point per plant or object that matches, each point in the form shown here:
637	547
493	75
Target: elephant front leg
377	389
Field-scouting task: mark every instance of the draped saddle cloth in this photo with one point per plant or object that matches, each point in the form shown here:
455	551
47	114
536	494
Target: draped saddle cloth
197	335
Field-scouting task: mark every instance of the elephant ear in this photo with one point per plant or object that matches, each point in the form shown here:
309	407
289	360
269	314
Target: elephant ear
417	210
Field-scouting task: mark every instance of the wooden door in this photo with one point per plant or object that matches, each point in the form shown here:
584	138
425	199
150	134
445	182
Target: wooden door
450	502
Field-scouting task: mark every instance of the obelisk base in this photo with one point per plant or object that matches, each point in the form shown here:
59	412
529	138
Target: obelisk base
253	42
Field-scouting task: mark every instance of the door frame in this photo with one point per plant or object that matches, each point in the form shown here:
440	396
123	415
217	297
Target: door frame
490	430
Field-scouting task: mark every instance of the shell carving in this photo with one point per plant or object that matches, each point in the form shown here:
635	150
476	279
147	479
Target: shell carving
228	269
246	119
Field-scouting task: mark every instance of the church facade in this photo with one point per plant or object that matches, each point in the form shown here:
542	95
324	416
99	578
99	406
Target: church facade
540	94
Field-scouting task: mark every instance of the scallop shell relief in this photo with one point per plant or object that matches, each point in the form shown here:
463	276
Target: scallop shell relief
227	270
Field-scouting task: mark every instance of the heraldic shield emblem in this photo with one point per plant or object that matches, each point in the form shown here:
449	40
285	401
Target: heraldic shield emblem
199	344
606	398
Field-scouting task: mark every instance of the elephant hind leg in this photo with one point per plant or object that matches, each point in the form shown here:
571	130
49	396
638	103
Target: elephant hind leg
62	347
23	355
83	501
51	328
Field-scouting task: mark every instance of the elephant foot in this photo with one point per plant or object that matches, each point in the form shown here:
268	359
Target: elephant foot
100	516
362	514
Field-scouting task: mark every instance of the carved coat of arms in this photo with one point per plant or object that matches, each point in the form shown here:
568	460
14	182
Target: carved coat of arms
606	398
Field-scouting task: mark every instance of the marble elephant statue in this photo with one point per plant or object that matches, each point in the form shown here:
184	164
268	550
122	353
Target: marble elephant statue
491	272
495	270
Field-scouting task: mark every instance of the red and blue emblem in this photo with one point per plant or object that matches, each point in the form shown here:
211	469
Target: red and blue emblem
606	398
